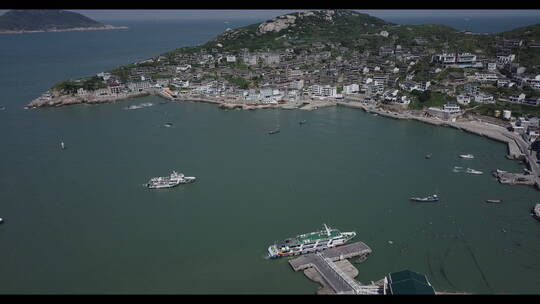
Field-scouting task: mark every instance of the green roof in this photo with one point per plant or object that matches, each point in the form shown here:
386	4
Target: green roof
409	282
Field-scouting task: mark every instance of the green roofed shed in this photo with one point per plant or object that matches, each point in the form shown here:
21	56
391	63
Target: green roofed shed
409	282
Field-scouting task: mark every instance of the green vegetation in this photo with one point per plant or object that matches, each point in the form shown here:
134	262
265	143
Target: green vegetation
517	109
238	81
426	99
71	87
345	25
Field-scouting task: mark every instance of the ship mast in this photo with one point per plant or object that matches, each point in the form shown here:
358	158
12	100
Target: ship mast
327	229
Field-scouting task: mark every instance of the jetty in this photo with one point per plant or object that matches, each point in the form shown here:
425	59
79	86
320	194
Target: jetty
514	178
334	272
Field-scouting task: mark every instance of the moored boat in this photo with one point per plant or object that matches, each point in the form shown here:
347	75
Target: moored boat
493	201
472	171
274	131
310	242
430	198
466	156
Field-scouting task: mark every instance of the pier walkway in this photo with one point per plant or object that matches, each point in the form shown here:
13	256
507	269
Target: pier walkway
337	279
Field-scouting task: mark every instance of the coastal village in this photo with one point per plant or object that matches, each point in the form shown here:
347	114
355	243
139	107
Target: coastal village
496	96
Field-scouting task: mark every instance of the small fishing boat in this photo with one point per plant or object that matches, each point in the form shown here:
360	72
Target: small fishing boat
466	156
274	131
428	156
168	124
302	122
1	220
62	146
494	201
2	108
472	171
431	198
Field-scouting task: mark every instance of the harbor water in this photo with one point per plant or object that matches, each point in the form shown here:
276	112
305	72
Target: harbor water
79	220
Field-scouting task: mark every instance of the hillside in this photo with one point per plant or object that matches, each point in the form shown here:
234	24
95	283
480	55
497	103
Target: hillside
44	20
348	28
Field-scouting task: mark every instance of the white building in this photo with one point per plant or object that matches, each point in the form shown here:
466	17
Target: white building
484	98
463	99
231	58
517	98
502	60
486	77
350	89
297	84
329	91
183	68
451	108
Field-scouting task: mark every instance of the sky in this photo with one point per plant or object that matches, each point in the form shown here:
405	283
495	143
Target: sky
120	14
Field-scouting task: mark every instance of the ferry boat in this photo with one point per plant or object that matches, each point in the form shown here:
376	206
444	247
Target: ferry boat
472	171
169	181
310	242
467	156
431	198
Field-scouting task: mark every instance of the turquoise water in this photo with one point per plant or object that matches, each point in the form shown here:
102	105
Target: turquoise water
80	221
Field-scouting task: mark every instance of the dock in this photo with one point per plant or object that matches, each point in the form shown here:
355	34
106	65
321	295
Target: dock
514	178
334	276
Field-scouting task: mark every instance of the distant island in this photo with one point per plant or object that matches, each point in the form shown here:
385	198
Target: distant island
32	21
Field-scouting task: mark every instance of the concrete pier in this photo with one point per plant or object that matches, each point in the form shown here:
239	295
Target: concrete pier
330	270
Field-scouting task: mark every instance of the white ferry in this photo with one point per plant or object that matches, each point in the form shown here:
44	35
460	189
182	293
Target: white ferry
310	242
169	181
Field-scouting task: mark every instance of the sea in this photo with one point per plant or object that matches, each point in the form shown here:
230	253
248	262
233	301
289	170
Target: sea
80	221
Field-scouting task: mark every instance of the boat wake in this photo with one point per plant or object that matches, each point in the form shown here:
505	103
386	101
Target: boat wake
457	169
139	106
